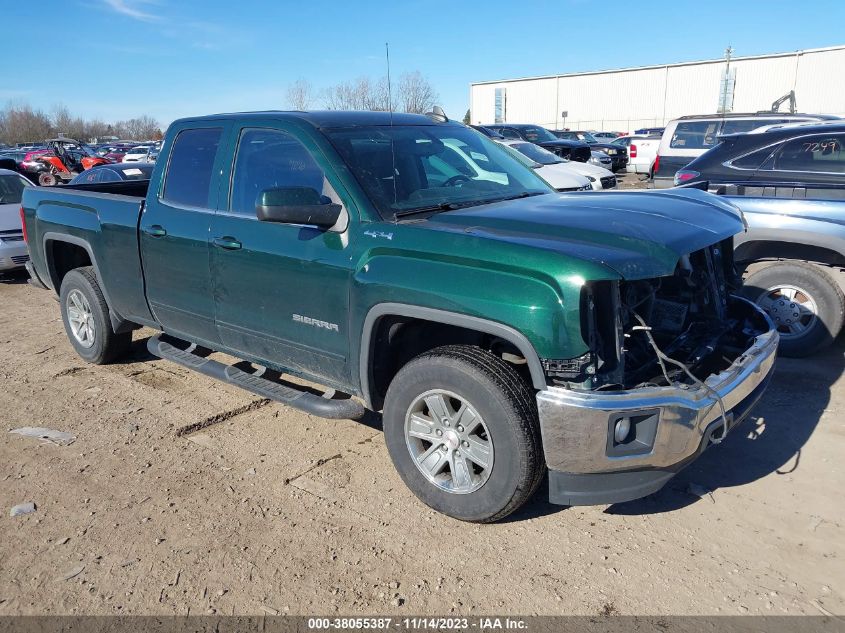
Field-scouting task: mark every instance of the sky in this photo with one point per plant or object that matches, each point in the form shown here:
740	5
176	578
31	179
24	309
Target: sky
117	59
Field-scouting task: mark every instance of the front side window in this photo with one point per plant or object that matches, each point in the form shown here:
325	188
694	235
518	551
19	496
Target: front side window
411	168
188	180
695	135
814	154
272	159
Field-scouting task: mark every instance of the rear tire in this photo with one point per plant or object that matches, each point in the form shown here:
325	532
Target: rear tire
85	315
804	301
478	459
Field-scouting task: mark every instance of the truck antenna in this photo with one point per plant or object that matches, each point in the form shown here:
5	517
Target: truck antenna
390	111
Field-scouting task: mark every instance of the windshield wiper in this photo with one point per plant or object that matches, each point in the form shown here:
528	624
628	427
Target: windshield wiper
441	206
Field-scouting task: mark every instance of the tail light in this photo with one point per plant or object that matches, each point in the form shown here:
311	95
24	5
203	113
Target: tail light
656	167
632	151
23	226
685	175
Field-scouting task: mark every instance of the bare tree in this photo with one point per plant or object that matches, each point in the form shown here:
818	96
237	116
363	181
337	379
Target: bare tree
19	123
416	94
300	94
141	128
361	94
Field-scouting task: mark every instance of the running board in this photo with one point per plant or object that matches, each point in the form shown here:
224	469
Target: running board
346	409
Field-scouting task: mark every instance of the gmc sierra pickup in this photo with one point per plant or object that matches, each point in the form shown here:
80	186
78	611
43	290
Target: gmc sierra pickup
504	329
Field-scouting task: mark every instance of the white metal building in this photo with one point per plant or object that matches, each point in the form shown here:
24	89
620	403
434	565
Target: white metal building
630	98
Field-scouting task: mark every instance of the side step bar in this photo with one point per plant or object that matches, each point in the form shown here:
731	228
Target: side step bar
346	409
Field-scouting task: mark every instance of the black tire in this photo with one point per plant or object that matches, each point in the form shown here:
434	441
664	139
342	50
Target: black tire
813	281
47	179
106	346
508	407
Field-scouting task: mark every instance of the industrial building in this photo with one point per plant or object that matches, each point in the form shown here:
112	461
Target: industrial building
650	96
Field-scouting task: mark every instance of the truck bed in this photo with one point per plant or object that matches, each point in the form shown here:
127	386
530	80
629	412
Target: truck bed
103	219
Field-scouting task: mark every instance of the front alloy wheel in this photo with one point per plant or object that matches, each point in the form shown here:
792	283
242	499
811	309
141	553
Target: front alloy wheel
449	442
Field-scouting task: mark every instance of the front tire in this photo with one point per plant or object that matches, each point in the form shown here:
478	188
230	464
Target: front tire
47	179
804	301
85	315
462	430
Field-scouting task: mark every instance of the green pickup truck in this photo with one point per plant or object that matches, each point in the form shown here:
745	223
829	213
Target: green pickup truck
505	330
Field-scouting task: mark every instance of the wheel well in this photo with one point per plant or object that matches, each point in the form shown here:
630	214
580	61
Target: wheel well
754	251
63	257
396	340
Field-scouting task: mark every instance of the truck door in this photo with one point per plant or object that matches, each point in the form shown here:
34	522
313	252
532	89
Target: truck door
174	234
281	290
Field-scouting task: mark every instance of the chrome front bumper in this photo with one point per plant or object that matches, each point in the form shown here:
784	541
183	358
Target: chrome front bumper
677	424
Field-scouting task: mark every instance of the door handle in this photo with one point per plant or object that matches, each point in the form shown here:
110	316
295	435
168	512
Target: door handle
229	243
155	231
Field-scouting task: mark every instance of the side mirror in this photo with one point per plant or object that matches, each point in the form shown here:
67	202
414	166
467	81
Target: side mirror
296	205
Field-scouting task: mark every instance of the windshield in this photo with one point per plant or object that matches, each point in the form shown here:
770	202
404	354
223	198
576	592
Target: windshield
11	189
587	137
538	134
405	169
537	154
522	158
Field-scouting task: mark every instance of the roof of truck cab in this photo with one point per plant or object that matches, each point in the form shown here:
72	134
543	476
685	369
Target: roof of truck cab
327	118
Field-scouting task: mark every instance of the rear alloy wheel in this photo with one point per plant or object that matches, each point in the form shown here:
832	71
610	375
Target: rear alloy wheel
462	430
85	314
804	302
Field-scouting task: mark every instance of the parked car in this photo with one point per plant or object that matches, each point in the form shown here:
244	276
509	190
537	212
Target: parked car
642	152
606	137
137	154
573	150
688	137
13	251
650	131
598	177
618	155
789	180
486	131
504	329
600	159
114	173
556	173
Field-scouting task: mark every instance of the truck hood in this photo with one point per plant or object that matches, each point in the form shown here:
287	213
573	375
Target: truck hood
638	235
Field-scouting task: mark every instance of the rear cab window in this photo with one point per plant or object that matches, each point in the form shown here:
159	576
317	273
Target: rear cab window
190	168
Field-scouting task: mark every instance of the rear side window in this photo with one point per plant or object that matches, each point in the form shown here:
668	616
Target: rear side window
695	135
816	154
191	162
753	160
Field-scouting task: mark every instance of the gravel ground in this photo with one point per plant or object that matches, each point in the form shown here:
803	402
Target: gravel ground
267	510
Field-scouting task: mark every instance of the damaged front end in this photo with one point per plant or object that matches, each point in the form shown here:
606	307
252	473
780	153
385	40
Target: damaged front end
674	362
690	316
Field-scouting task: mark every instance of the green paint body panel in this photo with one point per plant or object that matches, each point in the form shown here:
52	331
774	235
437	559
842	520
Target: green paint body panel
520	263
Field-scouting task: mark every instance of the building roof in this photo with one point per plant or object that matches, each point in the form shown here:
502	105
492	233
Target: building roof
658	66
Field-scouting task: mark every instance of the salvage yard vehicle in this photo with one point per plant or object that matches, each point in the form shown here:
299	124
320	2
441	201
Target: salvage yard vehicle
599	177
618	154
789	180
13	251
642	152
66	159
688	137
556	173
504	329
569	149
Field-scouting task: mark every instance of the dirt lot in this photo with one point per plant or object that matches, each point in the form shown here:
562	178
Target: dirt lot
268	510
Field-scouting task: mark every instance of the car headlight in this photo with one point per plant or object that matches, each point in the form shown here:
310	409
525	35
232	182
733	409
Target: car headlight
611	152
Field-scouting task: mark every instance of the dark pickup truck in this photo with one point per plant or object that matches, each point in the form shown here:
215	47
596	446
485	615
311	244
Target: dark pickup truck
504	329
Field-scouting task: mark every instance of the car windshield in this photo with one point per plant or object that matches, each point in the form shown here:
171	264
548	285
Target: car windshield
587	137
522	158
11	188
534	134
407	169
537	154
